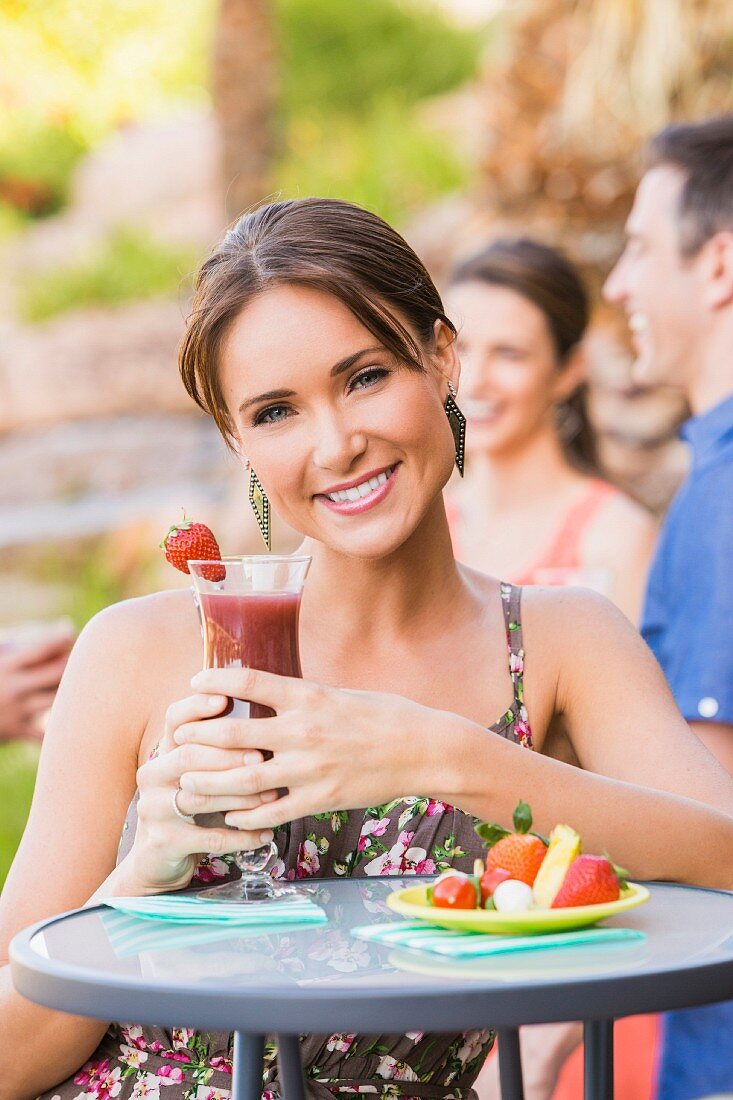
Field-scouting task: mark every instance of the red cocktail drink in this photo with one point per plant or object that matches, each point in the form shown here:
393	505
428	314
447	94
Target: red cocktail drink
252	631
249	619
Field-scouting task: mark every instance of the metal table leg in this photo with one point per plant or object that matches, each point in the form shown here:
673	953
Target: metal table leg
291	1067
598	1060
247	1076
510	1065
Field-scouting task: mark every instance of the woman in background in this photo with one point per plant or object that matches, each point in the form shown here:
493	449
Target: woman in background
532	505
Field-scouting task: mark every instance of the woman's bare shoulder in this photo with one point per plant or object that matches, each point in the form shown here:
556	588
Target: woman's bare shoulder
139	638
576	628
146	619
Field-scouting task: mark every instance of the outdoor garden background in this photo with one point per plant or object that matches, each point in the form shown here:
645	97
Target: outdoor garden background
132	132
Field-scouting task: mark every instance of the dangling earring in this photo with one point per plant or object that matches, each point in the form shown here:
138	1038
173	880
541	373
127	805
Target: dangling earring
260	507
457	422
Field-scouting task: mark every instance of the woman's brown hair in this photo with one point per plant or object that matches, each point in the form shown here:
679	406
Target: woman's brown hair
545	277
326	244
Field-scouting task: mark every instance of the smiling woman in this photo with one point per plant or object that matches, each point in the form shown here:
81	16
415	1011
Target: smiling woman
320	345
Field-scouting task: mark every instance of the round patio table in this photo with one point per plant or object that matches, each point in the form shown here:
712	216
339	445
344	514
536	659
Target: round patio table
323	980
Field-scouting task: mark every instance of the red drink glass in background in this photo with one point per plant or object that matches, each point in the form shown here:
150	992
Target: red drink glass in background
249	619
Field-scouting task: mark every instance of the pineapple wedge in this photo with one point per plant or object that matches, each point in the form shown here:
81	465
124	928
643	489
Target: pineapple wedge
564	846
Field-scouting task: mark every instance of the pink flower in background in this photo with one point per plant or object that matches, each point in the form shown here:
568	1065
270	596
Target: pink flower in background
393	1070
405	838
473	1043
134	1036
340	1042
220	1063
210	868
182	1036
436	807
133	1056
277	870
308	861
171	1075
371	827
99	1081
146	1088
523	733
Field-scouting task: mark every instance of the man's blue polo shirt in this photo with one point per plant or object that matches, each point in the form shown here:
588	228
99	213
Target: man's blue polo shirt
688	622
688	614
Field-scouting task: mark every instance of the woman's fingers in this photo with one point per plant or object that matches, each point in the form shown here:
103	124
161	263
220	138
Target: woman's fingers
289	807
251	779
220	842
167	769
277	692
190	803
230	732
192	709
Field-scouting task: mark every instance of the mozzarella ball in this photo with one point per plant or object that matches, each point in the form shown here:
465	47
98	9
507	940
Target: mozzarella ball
512	896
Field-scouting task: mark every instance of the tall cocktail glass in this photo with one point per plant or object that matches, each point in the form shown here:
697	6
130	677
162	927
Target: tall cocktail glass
250	607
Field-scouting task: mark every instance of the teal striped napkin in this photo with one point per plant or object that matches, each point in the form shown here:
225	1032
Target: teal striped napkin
192	909
419	936
163	922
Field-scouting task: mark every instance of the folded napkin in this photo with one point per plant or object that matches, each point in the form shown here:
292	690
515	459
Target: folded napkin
193	909
419	936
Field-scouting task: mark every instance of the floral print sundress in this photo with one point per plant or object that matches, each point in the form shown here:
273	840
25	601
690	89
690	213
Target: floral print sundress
411	835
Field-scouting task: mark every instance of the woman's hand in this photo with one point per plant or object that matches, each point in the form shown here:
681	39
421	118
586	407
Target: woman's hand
166	848
332	749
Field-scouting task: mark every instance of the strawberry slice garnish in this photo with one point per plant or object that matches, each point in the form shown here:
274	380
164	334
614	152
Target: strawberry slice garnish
188	541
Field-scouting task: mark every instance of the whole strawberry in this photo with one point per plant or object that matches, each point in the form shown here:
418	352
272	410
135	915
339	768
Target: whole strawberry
519	853
589	880
188	541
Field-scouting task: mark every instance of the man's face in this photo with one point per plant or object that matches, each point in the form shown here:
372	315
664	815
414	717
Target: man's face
657	287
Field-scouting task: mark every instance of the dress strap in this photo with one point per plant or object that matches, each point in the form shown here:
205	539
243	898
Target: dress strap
511	598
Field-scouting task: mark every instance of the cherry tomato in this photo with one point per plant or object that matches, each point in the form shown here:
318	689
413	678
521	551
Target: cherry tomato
490	880
455	892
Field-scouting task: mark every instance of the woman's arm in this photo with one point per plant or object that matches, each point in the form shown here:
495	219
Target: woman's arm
647	791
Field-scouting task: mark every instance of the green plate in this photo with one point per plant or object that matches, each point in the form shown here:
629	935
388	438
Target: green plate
413	903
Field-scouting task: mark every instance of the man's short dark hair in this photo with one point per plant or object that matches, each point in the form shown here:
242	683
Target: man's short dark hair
703	151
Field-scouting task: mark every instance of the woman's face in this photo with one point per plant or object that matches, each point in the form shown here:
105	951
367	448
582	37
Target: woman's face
351	446
510	376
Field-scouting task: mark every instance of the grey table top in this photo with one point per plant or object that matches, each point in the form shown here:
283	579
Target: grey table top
323	979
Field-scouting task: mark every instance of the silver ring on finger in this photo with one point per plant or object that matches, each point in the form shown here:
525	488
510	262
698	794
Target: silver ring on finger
189	818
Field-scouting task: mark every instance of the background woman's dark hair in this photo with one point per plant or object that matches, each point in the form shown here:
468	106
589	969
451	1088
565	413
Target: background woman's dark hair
326	244
547	279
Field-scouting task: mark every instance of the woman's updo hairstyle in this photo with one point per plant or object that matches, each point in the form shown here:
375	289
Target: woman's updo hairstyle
326	244
545	277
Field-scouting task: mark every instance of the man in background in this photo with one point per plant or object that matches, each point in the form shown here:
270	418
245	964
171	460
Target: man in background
675	283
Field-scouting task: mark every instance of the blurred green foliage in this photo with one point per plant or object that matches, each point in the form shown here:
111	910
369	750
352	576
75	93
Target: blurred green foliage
377	162
352	78
18	762
341	58
129	265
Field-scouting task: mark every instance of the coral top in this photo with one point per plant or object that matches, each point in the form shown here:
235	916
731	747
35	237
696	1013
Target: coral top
563	551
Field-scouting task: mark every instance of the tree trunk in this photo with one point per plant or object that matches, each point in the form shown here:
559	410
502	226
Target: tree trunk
244	91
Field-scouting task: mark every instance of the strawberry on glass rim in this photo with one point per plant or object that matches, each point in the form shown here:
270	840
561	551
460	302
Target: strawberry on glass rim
190	541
